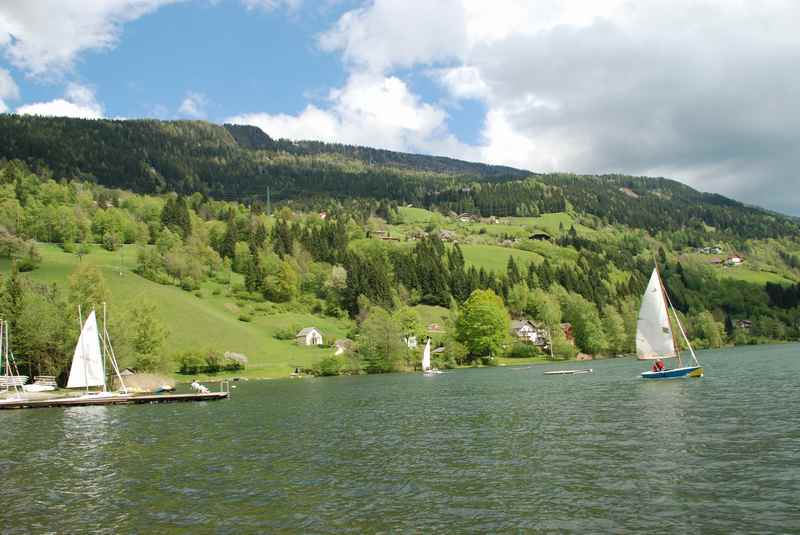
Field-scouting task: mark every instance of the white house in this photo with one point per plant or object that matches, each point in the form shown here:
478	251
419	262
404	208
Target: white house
411	341
309	336
528	331
734	261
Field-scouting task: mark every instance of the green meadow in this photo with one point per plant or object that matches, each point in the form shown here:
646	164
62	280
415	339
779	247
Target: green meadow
196	323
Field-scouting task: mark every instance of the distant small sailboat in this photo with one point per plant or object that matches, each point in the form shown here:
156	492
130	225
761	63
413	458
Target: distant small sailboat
88	361
426	360
655	339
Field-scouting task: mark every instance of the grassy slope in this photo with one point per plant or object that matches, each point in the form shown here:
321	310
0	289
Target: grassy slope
495	258
193	322
414	215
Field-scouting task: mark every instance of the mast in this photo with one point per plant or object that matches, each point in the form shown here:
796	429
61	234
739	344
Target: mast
686	338
672	331
105	351
110	351
83	348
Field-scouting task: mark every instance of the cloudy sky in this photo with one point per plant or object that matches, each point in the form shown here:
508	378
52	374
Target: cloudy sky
703	91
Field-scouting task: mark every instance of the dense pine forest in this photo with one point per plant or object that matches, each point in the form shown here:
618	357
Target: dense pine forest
372	240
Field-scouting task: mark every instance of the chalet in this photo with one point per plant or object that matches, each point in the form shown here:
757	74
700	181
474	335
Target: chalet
529	332
744	324
467	217
343	345
540	236
435	328
716	261
310	336
734	261
710	250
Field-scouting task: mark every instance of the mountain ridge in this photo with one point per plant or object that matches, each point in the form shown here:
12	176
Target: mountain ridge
241	162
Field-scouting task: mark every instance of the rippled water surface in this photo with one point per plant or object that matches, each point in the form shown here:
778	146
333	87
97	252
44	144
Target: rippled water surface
487	450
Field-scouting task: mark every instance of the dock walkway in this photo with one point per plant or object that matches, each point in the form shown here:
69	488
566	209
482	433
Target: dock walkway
117	400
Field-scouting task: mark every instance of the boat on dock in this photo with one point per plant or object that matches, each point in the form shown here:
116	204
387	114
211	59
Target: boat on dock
88	370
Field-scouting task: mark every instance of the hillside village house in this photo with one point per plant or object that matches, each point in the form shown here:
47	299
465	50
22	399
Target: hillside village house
310	336
411	341
734	261
529	331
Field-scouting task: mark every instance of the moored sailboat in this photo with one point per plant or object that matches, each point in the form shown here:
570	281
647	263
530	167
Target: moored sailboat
655	339
88	361
11	383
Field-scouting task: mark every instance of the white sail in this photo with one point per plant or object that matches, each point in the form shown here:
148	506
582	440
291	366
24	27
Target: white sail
426	356
653	331
87	362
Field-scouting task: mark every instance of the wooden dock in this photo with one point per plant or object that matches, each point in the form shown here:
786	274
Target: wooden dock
116	400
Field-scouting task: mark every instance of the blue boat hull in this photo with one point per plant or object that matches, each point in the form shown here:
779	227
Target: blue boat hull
676	373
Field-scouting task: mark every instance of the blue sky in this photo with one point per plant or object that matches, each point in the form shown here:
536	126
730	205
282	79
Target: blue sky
702	91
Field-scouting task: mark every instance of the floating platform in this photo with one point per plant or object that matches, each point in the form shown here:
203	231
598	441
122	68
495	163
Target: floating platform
115	400
568	372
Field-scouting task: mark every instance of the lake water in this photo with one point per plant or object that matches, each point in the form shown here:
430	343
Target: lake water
483	450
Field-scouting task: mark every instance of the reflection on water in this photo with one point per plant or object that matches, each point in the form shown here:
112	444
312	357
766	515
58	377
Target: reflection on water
492	450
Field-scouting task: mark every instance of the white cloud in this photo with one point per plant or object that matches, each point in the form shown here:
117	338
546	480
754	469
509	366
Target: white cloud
369	110
8	89
698	90
194	105
43	37
79	101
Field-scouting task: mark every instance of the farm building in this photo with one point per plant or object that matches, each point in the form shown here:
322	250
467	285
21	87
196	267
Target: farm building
310	336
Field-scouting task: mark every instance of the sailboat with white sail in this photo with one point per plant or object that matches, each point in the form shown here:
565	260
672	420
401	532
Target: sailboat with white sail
426	360
11	383
88	361
655	339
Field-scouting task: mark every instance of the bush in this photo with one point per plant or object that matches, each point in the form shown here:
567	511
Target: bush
189	284
210	361
190	363
111	241
330	366
216	291
214	361
286	333
199	294
234	361
522	350
245	317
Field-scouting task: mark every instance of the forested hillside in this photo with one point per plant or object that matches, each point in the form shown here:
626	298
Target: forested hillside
240	162
370	244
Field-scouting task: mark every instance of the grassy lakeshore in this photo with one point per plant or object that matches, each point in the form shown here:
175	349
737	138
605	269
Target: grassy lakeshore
196	323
